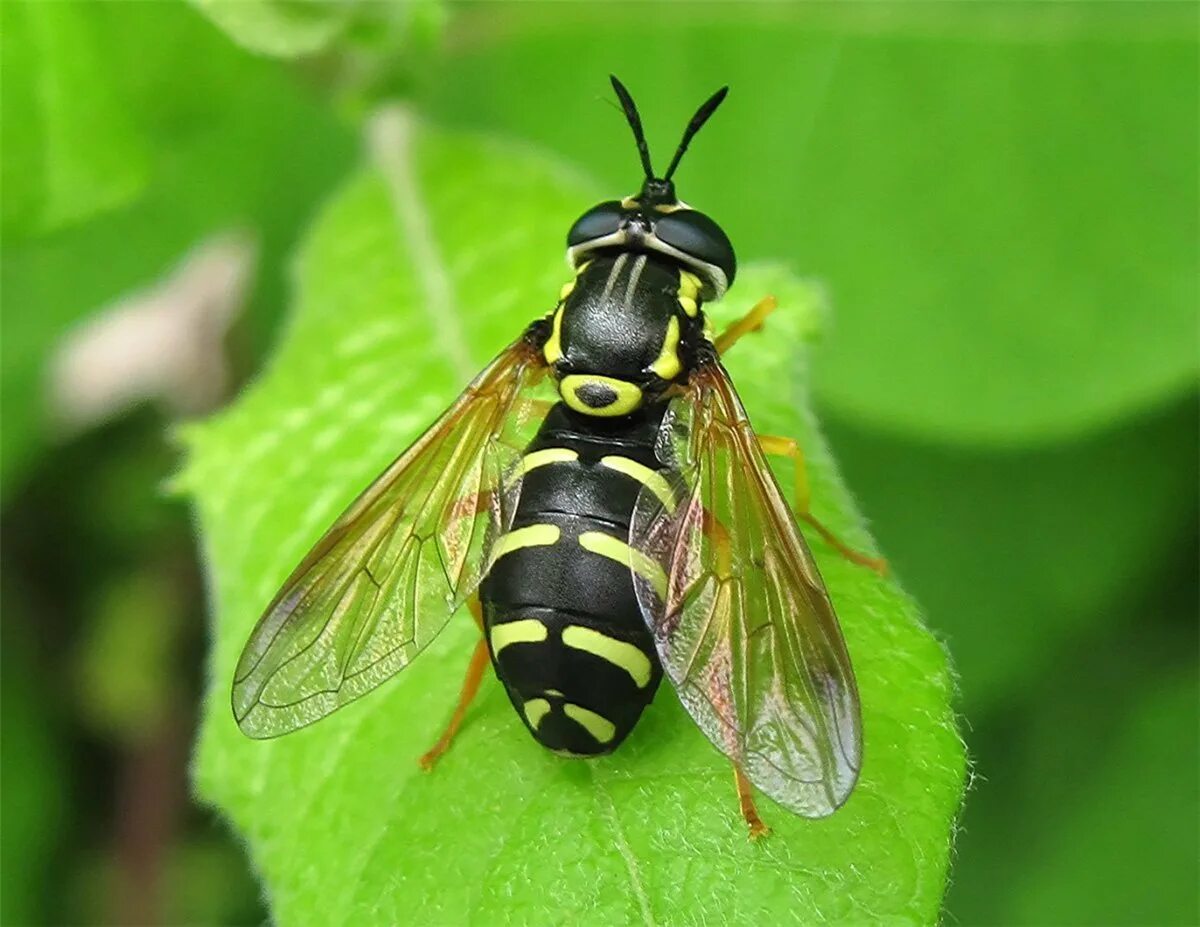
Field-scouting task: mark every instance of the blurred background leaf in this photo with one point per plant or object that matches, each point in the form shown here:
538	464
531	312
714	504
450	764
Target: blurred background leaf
285	28
77	152
1018	552
35	802
1088	811
985	188
212	161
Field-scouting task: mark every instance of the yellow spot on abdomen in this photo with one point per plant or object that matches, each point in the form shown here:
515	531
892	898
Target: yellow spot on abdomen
608	546
536	709
532	536
651	479
596	725
619	653
525	631
547	455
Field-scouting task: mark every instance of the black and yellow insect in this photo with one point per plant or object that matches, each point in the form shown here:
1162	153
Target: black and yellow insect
598	498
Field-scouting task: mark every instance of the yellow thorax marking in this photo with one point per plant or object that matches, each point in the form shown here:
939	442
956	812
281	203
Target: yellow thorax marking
547	455
535	710
532	536
553	349
619	653
628	395
525	631
607	546
667	366
689	291
596	725
651	479
569	286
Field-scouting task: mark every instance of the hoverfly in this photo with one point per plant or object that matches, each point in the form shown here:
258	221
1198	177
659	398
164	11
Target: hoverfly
599	500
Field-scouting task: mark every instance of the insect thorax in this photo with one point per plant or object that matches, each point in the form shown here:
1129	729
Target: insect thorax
624	329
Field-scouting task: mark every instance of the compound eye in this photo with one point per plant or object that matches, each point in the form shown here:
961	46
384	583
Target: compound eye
598	222
698	236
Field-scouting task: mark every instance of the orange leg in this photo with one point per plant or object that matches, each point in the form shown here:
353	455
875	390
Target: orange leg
752	321
470	687
746	801
787	447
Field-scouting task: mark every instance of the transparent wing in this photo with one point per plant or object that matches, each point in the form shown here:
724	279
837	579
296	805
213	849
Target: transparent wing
385	578
745	629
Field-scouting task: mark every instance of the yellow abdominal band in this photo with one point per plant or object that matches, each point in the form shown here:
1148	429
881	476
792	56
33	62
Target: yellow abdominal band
593	394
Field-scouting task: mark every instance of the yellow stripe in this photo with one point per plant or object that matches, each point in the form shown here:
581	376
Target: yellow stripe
689	284
607	546
651	479
553	349
547	455
667	365
596	725
535	710
525	631
533	536
622	654
689	292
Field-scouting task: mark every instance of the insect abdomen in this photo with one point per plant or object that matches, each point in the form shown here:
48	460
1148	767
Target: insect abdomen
566	633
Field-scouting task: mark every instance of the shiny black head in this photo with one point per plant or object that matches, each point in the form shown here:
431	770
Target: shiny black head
656	219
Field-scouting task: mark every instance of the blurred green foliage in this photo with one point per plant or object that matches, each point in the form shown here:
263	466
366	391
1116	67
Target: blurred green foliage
991	186
282	28
195	104
1002	200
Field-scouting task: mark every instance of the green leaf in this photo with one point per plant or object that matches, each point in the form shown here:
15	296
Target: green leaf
416	273
70	148
1080	524
216	164
1091	771
36	799
1139	795
282	28
1002	197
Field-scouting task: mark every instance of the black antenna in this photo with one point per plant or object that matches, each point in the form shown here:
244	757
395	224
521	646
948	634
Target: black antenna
635	123
707	109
